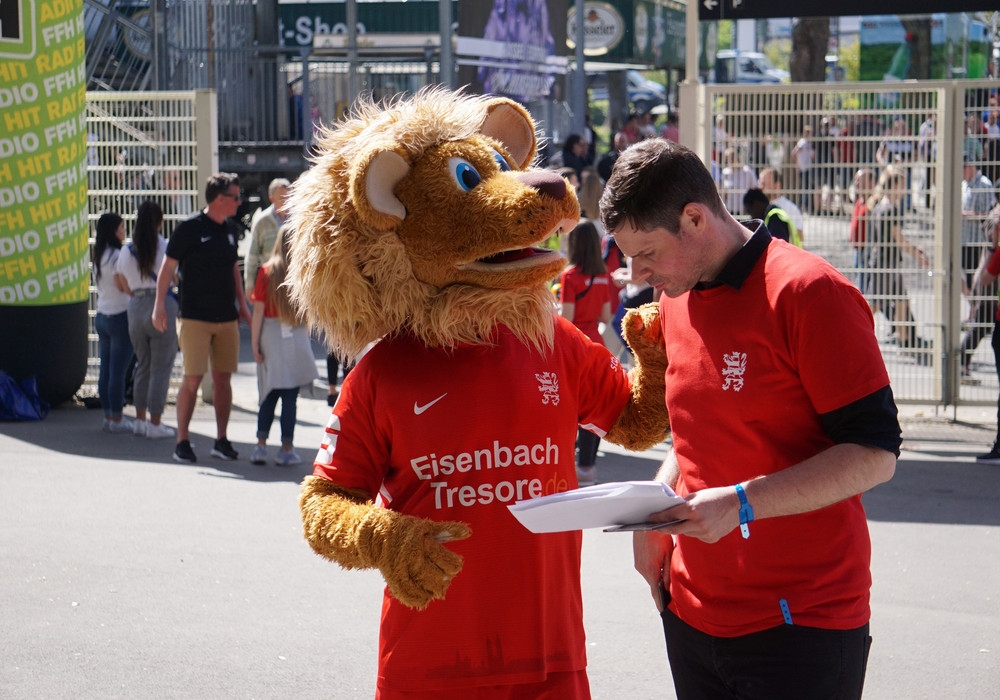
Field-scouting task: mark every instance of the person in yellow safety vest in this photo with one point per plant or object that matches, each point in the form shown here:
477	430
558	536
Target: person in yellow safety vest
778	222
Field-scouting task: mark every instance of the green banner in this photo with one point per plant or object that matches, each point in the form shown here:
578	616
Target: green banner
44	251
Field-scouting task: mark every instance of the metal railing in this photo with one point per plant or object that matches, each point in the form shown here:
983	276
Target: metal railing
146	145
933	332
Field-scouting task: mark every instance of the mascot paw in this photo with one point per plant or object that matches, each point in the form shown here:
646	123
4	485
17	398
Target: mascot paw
644	335
644	422
417	567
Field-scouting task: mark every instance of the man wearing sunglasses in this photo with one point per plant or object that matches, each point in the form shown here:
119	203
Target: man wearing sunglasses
202	252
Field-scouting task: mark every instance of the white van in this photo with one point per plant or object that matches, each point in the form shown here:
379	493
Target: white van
734	66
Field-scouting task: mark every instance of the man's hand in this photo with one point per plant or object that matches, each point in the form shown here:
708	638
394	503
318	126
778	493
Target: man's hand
707	515
651	551
159	318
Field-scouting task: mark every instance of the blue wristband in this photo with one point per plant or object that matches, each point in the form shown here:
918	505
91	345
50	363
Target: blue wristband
746	511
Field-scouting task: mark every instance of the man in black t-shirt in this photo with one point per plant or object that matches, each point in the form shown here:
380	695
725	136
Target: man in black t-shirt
202	252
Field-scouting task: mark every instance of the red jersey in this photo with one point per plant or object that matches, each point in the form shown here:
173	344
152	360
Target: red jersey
744	398
260	293
588	294
859	220
993	267
459	434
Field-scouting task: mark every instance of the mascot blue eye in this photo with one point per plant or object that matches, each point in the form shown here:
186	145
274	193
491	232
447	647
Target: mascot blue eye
465	175
501	161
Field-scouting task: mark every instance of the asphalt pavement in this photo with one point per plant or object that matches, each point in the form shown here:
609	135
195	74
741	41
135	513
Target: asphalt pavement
124	574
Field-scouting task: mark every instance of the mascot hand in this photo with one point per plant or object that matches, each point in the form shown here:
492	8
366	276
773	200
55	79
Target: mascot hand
343	526
644	422
644	335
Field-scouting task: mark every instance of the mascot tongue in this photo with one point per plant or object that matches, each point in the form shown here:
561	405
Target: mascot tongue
511	256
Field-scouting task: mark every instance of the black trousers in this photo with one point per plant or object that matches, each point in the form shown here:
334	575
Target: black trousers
789	662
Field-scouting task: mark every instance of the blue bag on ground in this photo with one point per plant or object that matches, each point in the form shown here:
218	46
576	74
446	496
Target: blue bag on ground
20	401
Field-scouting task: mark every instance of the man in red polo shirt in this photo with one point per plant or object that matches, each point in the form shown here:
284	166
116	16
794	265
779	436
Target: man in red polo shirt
782	415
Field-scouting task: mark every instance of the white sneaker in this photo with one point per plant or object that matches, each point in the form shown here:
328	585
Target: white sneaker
259	455
122	426
286	458
155	431
139	428
586	476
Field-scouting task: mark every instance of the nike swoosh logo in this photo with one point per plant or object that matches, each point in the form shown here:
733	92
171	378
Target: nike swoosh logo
417	410
206	239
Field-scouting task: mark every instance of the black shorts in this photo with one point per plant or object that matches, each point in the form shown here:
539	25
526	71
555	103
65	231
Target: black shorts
789	662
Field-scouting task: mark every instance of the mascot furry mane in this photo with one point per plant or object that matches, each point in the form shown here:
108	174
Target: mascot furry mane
398	222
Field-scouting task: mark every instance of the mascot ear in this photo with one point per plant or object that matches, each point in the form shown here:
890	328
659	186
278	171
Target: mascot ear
372	183
510	124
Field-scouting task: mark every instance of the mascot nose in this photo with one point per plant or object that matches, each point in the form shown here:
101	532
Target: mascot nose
548	183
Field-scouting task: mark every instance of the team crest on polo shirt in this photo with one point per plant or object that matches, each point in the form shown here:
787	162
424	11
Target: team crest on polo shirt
735	366
548	384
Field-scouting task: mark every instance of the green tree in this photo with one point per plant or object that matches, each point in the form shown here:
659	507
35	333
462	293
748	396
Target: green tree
850	60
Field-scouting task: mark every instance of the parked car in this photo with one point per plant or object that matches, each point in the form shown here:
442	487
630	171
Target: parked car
734	66
643	93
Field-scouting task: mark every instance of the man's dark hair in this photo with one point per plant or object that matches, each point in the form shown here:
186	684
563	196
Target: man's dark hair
755	195
218	184
651	184
571	141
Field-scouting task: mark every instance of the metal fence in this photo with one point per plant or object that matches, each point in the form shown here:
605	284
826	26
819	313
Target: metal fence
146	145
933	332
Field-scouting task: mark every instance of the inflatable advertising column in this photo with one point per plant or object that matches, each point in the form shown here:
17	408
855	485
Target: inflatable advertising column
44	251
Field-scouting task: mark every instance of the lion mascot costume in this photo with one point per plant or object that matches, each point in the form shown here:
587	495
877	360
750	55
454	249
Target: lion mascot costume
417	237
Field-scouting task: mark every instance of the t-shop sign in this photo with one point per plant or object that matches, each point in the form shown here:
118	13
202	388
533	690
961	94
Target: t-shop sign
603	28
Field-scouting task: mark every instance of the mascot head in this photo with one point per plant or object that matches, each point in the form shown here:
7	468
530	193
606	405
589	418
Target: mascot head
423	216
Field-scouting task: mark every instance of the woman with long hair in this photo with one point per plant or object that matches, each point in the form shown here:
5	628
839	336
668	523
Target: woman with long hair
887	244
283	351
154	351
111	322
584	294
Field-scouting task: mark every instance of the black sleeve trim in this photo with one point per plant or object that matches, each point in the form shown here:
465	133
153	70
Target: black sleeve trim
872	420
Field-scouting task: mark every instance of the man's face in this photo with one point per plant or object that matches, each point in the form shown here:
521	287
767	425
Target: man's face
667	261
231	200
863	183
279	197
968	171
767	184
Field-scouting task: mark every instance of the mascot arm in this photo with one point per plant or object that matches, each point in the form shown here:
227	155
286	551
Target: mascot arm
344	526
644	422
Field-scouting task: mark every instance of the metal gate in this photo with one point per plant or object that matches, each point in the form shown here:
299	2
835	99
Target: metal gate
938	351
146	145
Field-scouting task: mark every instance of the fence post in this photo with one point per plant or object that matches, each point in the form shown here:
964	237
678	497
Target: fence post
950	200
206	104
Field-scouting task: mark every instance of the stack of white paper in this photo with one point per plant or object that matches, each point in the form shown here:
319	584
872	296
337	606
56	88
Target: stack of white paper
604	505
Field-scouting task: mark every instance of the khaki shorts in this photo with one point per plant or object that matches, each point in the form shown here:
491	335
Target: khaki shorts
200	340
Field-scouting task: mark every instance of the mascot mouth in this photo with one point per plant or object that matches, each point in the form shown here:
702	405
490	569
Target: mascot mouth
520	258
515	259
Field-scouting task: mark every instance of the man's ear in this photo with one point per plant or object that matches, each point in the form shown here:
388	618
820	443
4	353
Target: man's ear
510	124
373	183
692	218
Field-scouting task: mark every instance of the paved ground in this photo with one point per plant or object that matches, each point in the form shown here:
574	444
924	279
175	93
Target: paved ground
126	575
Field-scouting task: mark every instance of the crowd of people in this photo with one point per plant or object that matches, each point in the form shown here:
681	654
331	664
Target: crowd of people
157	297
874	173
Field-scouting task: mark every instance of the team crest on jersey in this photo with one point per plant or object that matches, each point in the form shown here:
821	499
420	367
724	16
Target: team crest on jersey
548	384
733	371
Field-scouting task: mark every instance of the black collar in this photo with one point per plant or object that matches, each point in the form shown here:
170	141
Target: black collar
736	271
